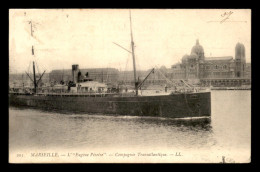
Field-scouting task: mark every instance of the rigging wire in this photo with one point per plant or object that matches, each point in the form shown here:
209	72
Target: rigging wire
28	70
174	83
158	69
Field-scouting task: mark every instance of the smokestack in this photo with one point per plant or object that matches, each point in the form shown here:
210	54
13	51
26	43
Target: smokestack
75	70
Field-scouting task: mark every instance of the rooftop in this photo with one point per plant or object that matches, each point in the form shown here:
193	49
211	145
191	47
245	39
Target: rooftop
218	58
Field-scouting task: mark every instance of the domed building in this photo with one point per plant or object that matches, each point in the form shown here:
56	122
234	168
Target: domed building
190	63
198	50
197	66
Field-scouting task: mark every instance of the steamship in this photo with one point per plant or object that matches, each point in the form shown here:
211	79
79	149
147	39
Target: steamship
85	95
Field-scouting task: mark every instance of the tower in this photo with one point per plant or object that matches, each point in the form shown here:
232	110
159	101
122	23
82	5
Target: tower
240	60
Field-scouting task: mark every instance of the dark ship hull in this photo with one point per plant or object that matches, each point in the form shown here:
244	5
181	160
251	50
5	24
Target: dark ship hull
181	105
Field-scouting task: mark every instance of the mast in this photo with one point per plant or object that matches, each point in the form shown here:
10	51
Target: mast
34	78
133	54
35	82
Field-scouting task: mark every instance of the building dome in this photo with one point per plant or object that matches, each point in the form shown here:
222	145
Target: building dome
198	50
185	58
193	56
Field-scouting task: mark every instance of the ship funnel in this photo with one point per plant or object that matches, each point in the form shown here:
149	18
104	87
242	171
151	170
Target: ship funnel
75	70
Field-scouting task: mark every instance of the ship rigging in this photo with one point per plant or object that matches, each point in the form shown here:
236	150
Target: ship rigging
100	100
35	82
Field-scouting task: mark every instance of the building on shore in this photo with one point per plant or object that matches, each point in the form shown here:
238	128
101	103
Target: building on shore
215	71
106	75
194	68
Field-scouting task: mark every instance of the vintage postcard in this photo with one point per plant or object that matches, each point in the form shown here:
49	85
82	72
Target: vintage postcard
129	86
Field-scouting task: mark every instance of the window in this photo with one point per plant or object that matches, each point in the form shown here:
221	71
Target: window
225	67
224	73
216	66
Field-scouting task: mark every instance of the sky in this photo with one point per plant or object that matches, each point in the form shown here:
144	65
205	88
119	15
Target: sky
62	37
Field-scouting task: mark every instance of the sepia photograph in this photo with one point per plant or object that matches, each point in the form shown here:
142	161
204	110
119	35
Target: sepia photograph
129	86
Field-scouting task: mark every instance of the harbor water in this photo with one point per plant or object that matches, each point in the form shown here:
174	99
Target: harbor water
225	137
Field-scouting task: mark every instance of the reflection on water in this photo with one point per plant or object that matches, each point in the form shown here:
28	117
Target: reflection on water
228	129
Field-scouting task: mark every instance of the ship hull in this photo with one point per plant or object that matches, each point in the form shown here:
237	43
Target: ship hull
171	106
